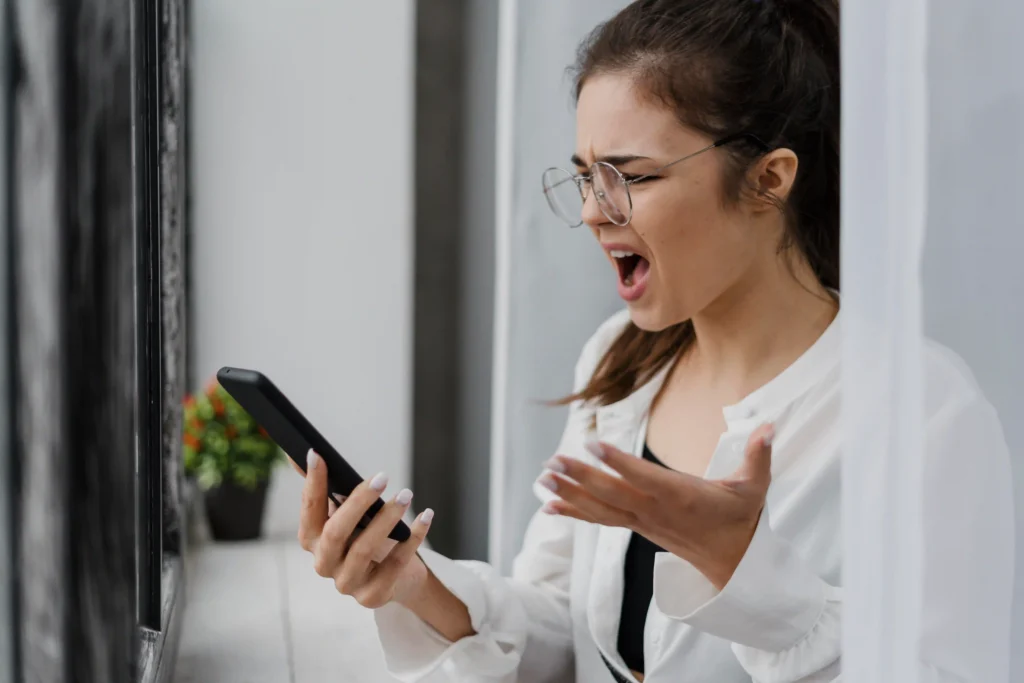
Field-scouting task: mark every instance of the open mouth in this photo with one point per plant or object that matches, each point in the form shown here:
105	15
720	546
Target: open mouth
630	266
633	272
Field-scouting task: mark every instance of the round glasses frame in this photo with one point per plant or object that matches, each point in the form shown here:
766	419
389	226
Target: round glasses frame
619	217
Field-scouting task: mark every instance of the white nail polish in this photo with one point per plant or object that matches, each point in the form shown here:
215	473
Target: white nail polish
548	482
404	497
312	459
380	482
555	465
767	439
549	508
595	449
427	516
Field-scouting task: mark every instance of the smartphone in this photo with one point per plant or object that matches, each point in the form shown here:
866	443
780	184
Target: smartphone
296	435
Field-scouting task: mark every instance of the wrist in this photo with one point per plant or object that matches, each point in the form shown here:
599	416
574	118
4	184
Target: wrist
719	568
415	594
436	605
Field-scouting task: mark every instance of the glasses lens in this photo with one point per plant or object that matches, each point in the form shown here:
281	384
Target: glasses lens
563	196
612	193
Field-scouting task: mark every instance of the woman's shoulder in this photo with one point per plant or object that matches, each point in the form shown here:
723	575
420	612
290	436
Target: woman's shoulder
948	381
960	417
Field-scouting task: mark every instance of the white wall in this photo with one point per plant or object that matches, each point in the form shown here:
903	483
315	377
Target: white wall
302	150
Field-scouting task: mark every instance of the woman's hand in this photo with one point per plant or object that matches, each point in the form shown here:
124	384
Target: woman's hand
707	523
365	564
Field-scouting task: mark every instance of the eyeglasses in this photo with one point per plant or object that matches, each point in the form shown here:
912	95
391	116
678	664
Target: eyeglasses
567	192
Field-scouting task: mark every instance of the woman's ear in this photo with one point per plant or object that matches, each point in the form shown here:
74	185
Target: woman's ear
773	176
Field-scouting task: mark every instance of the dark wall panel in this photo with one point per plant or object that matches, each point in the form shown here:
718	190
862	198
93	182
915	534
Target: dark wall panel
41	423
438	173
74	274
98	276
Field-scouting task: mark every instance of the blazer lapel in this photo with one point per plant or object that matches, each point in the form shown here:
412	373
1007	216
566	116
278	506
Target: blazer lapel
622	425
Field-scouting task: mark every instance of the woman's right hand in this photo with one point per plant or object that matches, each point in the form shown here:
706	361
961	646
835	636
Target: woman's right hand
364	563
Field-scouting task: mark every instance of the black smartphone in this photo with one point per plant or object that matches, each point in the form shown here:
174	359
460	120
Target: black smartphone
296	435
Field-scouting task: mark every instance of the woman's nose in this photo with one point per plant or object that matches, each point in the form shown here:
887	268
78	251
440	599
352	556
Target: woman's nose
592	214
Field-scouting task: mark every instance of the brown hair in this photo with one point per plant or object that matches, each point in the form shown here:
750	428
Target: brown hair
769	68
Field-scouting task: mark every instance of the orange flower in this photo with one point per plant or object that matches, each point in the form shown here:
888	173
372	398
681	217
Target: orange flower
196	424
189	401
192	442
218	405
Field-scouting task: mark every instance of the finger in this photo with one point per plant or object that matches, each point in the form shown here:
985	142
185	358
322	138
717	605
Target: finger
645	475
603	486
314	502
756	468
564	509
334	539
332	507
383	578
366	549
588	504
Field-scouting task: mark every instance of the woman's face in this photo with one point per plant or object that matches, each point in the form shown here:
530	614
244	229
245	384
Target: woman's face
692	249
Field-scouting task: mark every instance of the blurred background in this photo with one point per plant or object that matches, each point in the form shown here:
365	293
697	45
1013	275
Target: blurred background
346	197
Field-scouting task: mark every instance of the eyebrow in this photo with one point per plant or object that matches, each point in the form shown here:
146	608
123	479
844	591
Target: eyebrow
614	159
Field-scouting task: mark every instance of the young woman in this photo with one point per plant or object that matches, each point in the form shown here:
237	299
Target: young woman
691	516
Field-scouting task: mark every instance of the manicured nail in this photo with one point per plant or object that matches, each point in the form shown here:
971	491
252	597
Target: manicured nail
312	460
426	516
556	465
549	508
595	449
404	497
380	482
768	437
548	482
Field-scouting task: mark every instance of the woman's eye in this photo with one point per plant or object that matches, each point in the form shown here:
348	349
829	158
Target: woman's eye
638	178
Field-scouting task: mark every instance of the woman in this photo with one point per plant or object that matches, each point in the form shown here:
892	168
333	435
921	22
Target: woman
690	525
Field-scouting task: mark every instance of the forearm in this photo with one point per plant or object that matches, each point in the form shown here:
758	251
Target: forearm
441	609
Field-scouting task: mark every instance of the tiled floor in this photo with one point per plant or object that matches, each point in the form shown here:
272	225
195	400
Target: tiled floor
257	613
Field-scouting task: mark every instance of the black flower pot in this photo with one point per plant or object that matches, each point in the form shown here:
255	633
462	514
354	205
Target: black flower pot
235	513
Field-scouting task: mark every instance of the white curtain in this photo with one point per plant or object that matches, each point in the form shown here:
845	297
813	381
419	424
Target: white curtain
552	287
933	152
884	182
973	279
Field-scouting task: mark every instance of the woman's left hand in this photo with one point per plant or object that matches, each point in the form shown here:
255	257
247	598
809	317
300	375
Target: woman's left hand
707	523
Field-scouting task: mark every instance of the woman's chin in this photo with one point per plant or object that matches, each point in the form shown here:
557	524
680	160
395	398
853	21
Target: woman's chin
650	317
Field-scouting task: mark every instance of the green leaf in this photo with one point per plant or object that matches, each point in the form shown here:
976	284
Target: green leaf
191	457
209	476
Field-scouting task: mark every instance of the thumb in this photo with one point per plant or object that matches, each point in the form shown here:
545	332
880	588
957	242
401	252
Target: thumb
756	467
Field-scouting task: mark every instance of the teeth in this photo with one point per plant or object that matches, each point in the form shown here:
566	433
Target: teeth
620	254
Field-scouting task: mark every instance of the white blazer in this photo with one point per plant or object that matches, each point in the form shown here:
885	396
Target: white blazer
778	619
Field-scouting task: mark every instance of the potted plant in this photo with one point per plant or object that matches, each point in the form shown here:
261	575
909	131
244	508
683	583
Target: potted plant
231	459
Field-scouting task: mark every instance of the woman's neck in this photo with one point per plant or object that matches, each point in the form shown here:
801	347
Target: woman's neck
759	328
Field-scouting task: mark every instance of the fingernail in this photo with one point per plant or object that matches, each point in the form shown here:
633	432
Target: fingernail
404	497
427	516
312	459
380	482
768	437
595	449
555	465
548	482
549	508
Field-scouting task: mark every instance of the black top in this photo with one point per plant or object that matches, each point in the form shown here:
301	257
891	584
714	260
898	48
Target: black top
637	593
